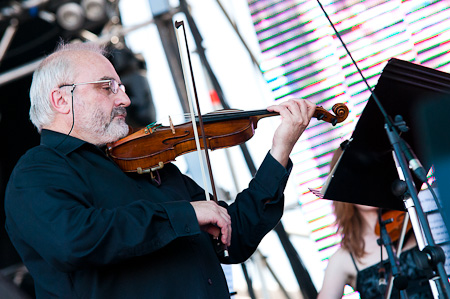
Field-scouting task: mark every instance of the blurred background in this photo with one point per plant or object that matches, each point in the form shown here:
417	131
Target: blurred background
246	55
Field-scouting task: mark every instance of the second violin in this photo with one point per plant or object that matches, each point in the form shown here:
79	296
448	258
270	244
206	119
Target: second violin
151	147
394	227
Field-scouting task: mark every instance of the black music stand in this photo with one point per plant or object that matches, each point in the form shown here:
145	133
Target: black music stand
367	169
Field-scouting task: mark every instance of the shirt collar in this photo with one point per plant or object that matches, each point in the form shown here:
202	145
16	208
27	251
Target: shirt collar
63	142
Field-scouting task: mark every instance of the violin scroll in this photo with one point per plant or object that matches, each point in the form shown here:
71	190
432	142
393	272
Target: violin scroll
340	110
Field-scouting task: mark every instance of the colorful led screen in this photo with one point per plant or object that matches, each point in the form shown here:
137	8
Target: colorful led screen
302	56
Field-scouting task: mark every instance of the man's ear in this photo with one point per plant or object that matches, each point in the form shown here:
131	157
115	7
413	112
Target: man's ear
59	102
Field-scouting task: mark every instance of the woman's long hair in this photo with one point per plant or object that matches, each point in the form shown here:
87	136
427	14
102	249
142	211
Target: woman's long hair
348	220
350	227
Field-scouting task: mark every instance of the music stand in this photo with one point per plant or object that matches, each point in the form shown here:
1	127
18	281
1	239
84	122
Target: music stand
366	170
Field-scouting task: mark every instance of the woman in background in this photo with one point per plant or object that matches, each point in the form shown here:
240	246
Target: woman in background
357	261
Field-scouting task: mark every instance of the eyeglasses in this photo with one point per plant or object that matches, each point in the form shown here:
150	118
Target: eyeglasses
112	85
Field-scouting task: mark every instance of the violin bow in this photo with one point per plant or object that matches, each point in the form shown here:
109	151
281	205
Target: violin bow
190	87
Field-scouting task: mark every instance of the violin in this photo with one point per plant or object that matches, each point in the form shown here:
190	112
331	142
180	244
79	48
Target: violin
155	145
393	228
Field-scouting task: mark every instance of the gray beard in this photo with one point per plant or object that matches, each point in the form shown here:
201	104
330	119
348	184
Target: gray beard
107	129
114	129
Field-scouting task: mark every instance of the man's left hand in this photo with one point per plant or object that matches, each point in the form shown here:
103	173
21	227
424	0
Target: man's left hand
295	117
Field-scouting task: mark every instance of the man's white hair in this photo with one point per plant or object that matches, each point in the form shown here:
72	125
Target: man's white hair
55	70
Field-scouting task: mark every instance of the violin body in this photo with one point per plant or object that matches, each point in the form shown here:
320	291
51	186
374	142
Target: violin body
393	228
153	146
145	149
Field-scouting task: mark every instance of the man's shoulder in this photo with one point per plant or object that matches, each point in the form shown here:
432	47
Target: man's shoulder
39	153
35	161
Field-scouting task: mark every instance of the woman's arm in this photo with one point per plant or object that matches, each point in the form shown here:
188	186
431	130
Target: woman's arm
340	272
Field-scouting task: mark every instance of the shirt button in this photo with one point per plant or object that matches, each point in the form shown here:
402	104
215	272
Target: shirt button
187	229
210	281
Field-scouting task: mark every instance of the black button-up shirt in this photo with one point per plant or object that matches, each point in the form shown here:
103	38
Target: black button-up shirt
85	229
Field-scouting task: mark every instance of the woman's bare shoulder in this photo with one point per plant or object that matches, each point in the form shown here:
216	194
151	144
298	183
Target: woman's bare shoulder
342	260
341	254
339	272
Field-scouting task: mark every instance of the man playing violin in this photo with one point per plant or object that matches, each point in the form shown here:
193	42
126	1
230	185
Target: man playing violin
86	229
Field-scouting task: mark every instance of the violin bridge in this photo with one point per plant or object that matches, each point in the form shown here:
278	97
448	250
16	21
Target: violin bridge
171	125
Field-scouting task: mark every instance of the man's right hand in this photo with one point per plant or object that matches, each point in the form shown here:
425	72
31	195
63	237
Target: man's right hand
214	220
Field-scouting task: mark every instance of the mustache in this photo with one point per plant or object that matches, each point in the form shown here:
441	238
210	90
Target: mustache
119	111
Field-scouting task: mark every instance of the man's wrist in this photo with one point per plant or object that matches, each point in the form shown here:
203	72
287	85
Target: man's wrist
282	156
